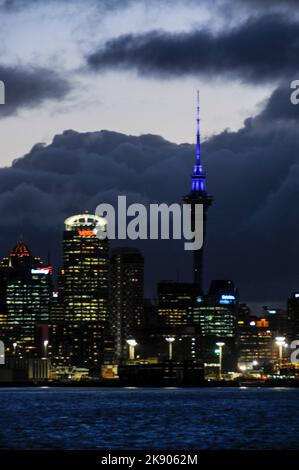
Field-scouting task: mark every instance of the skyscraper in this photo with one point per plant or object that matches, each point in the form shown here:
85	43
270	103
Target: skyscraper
83	282
127	294
25	291
174	302
256	341
216	316
198	195
85	269
216	313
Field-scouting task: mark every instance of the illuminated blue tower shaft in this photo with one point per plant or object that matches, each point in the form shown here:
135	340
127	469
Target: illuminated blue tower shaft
198	195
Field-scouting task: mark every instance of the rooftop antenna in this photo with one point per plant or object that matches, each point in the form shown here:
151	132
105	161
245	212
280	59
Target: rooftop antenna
198	131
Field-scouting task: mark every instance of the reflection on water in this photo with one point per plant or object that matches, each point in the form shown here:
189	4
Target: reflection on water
55	418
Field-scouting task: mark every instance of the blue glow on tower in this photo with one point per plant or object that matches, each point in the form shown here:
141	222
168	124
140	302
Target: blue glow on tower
198	177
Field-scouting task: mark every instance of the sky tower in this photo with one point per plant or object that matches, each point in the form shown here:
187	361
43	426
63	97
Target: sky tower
198	195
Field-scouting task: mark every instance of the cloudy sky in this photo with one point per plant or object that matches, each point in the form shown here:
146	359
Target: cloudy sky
100	100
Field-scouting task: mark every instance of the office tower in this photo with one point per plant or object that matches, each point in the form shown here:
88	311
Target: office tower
78	338
174	302
25	292
256	342
198	195
127	294
280	321
215	314
85	270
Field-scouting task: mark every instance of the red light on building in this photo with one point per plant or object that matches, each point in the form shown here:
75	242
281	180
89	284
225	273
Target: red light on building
86	233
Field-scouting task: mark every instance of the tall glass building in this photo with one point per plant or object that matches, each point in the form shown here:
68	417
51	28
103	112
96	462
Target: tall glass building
83	293
216	313
216	316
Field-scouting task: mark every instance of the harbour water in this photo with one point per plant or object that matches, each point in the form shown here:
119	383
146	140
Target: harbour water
95	418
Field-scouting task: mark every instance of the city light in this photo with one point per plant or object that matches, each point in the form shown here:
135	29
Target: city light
220	345
132	344
46	342
170	340
228	297
39	271
280	341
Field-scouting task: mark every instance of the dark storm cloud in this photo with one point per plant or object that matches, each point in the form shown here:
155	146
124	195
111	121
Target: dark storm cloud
29	87
279	106
109	5
112	4
253	173
268	3
261	49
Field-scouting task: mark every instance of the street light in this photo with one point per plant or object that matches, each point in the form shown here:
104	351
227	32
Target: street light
14	348
46	342
132	343
280	341
170	340
220	346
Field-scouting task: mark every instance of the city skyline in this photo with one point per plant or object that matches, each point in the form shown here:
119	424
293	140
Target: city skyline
149	282
183	271
249	127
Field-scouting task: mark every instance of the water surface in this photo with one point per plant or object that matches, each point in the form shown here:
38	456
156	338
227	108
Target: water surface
89	418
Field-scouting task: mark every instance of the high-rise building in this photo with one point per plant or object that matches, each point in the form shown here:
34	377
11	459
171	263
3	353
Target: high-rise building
25	292
85	269
256	342
127	297
215	314
198	195
78	337
280	321
174	302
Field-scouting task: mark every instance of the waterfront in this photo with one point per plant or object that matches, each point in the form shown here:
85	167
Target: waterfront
53	418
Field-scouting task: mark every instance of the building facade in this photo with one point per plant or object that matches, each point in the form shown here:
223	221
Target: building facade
26	290
174	302
127	297
215	315
80	311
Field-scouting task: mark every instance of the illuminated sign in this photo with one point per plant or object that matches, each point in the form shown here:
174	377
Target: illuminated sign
262	323
55	295
228	297
272	311
86	233
252	323
44	271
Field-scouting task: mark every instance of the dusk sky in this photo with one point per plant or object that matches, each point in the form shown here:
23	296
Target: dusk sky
75	68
